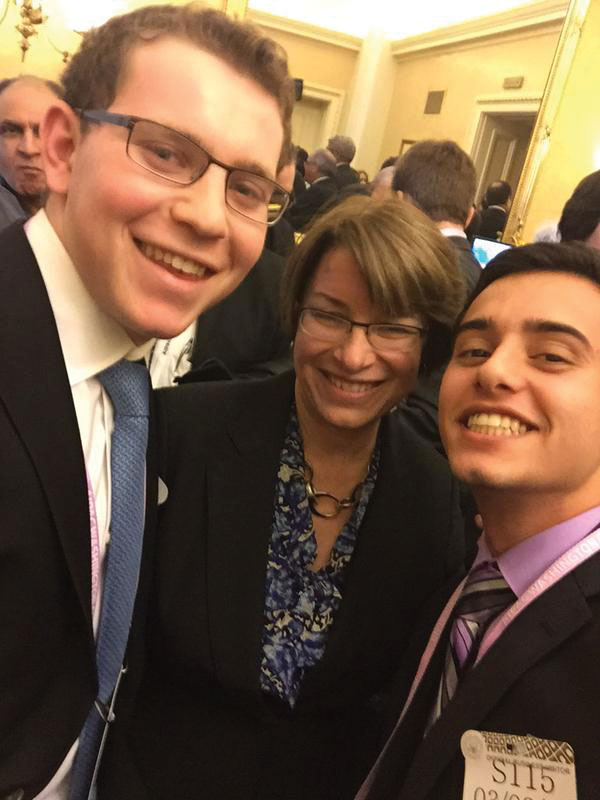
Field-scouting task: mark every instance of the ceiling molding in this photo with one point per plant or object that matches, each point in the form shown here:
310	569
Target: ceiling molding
544	17
308	31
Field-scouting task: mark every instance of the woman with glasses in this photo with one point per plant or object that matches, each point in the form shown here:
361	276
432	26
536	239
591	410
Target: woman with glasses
304	530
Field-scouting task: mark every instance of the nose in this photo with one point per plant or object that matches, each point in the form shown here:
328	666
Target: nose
29	143
202	204
355	352
502	371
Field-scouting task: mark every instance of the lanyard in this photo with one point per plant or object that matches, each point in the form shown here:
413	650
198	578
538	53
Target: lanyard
94	543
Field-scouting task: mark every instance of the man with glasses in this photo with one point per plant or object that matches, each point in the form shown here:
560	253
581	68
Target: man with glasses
162	169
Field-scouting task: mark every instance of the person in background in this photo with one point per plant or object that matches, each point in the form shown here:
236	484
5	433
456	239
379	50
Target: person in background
161	166
319	171
514	653
381	186
439	178
23	102
495	208
580	218
305	527
343	150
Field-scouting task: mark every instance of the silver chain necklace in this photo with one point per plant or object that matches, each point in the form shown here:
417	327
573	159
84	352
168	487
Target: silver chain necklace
315	496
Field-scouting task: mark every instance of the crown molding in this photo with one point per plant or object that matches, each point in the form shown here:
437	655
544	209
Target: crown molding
305	29
544	17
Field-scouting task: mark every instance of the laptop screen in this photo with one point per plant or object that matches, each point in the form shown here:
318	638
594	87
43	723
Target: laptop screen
485	249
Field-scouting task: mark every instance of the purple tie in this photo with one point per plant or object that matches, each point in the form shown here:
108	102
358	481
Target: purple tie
484	597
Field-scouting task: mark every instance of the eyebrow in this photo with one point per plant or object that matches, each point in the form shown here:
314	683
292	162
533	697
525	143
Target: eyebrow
248	165
531	326
328	298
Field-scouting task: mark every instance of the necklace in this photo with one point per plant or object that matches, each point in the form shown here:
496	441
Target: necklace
315	496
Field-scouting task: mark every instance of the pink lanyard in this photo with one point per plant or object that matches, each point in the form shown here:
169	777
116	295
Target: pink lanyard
94	544
573	558
579	553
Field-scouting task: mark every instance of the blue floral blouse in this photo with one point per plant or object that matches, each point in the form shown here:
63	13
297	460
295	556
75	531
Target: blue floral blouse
300	604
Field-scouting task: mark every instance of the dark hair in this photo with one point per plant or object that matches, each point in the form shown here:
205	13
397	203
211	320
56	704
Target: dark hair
389	162
54	87
92	77
409	267
581	213
497	194
573	258
440	179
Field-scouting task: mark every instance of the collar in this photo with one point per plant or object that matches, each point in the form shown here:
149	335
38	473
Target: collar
321	178
10	189
453	231
525	562
90	340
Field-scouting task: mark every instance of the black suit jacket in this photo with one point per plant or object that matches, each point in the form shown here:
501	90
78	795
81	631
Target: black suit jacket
47	666
200	722
306	206
493	222
244	331
345	175
469	265
539	678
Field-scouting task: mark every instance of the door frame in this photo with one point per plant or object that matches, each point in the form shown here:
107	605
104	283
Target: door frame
507	104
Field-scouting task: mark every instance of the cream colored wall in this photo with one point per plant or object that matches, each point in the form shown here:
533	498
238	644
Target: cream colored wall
42	58
316	61
574	149
464	75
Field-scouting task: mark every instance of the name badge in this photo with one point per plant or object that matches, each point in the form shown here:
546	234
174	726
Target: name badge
501	766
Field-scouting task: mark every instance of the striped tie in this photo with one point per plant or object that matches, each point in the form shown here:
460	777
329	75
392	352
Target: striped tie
484	597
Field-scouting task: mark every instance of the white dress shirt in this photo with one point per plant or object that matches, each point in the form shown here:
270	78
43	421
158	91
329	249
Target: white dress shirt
91	341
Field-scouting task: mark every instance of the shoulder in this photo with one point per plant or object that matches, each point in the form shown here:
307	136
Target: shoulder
214	404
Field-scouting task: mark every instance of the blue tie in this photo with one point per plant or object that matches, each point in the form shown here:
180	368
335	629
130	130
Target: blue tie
127	385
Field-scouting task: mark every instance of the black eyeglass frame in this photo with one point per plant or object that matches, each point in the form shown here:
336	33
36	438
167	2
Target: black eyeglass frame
414	330
129	121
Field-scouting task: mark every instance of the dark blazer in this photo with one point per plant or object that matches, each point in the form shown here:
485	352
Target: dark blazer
200	722
469	265
244	331
305	207
345	175
493	222
47	666
539	678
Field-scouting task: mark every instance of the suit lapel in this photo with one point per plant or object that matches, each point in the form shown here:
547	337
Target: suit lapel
35	391
240	489
542	627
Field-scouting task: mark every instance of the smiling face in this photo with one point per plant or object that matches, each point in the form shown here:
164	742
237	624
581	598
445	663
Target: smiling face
22	107
154	254
519	400
349	386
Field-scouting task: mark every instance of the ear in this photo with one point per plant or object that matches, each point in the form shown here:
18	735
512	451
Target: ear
469	217
60	135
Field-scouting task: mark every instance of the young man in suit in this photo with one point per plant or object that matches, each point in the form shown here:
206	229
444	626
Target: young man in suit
160	166
514	653
438	177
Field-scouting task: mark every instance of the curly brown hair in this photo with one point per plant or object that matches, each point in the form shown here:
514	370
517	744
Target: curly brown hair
91	79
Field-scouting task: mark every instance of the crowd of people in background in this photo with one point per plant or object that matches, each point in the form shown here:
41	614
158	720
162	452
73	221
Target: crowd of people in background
295	495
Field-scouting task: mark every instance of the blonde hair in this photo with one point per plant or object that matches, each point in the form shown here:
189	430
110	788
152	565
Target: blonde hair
409	267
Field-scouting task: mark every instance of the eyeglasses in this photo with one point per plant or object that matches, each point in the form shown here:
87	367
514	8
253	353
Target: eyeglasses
177	158
381	335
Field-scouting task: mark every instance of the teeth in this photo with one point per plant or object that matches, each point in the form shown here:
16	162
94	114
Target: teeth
172	260
350	386
496	425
